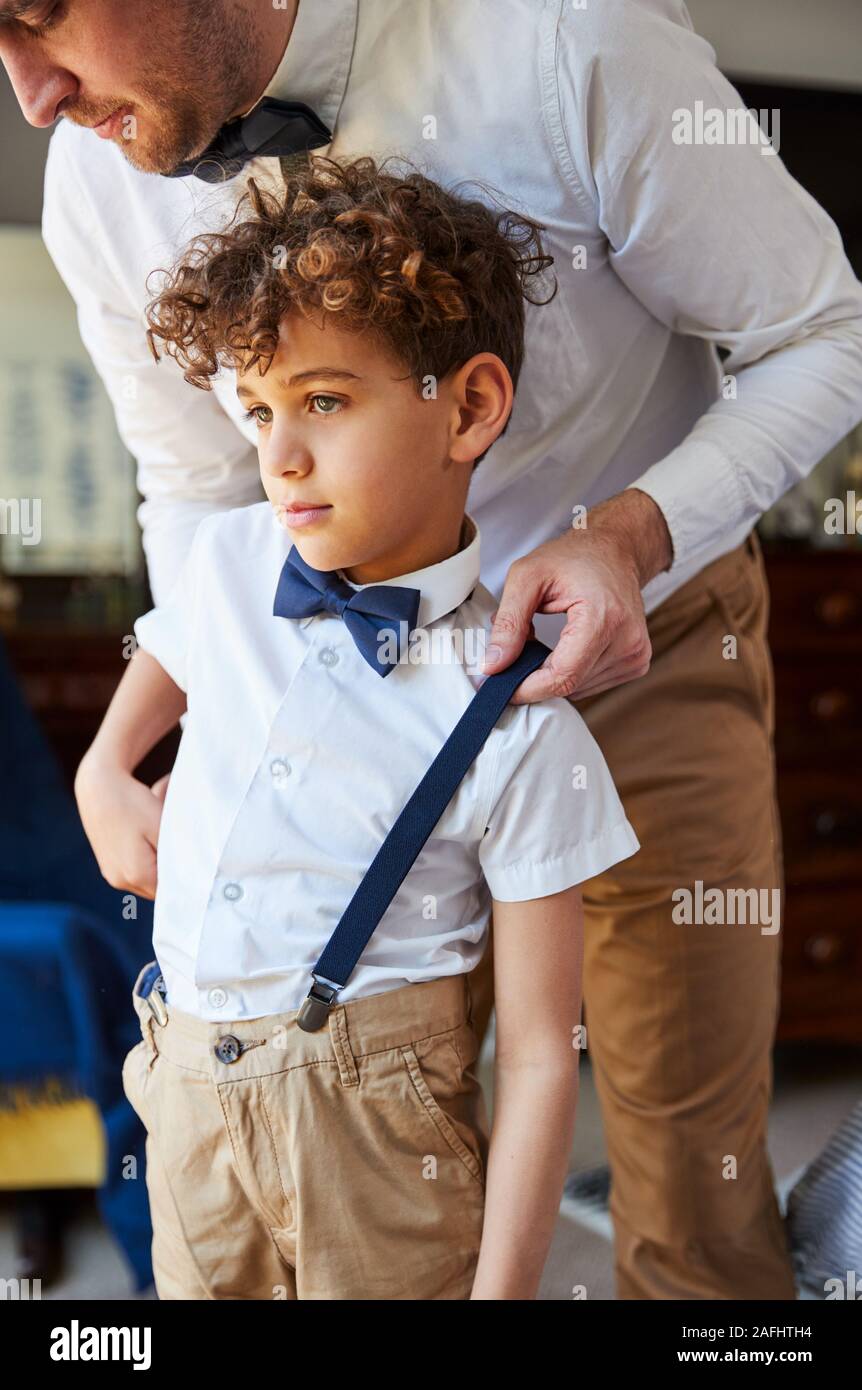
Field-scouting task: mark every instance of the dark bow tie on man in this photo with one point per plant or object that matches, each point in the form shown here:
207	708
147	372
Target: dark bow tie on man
373	615
272	127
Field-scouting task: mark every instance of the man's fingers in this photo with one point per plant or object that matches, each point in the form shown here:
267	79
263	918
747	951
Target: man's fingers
513	621
596	688
614	670
571	662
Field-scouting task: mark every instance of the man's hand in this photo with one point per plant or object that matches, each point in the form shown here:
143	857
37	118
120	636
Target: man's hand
595	576
121	818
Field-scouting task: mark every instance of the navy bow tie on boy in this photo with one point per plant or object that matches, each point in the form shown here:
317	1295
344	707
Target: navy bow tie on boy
371	614
273	127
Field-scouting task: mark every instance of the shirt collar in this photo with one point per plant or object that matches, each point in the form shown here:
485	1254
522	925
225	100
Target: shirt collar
315	65
444	586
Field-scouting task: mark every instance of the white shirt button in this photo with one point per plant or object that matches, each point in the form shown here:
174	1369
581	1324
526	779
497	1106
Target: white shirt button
218	998
232	892
279	769
328	656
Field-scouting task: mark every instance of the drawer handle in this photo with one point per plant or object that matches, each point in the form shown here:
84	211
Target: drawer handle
838	825
828	706
824	949
838	608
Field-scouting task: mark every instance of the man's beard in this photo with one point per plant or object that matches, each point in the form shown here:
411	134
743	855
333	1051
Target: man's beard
176	130
176	123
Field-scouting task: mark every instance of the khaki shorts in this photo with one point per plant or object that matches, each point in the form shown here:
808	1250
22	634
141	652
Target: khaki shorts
348	1163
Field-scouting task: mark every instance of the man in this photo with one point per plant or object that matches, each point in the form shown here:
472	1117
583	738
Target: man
666	249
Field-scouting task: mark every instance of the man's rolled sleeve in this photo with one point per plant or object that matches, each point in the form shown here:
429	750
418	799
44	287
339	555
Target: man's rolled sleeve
718	241
554	816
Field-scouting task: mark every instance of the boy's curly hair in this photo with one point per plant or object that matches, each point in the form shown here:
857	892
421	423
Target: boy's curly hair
432	277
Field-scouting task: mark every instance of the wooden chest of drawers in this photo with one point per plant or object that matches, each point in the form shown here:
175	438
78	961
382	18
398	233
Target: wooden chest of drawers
815	634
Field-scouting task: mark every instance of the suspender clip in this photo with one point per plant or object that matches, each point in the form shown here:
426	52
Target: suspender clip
316	1005
156	1000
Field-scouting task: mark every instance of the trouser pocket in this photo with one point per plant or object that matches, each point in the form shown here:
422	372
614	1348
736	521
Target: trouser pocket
135	1068
448	1096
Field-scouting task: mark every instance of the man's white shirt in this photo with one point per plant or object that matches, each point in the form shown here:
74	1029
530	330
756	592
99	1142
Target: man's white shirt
297	757
662	251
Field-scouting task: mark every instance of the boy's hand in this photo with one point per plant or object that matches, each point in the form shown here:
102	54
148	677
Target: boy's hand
121	818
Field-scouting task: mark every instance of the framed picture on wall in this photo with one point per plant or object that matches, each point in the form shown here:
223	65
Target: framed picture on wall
67	483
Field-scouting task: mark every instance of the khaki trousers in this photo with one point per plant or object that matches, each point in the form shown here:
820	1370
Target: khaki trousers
681	1018
348	1163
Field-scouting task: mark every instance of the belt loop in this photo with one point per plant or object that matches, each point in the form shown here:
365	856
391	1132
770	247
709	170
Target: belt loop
152	1050
148	1028
347	1069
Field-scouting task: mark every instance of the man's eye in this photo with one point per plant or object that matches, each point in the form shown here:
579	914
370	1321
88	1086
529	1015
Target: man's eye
51	16
333	400
254	414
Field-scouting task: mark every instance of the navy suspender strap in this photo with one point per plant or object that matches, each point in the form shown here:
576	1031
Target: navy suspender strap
401	847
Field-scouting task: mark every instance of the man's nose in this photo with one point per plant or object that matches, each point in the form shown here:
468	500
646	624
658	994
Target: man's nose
39	86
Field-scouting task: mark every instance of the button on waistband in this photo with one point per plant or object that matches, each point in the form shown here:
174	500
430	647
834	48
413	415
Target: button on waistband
228	1048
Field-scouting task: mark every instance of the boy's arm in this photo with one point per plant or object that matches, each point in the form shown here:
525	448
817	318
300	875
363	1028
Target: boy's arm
144	707
121	815
538	971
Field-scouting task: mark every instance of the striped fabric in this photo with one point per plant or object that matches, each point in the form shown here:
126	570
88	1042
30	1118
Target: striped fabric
824	1215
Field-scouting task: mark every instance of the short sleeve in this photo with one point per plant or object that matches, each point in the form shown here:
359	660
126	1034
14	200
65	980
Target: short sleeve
165	631
555	817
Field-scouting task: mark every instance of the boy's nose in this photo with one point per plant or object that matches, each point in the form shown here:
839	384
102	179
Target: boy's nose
39	87
285	458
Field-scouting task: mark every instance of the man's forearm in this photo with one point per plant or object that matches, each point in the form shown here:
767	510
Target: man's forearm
785	413
635	522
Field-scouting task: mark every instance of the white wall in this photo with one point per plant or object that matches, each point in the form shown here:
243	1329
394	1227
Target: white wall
818	42
22	160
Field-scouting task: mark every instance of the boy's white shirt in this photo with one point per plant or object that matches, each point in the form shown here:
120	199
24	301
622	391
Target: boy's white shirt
296	759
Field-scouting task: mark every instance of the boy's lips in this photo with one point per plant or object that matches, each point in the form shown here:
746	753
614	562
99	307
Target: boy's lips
301	513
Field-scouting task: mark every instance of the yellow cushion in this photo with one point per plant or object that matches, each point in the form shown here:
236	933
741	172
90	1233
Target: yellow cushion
51	1143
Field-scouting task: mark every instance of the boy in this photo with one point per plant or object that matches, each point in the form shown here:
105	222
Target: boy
376	325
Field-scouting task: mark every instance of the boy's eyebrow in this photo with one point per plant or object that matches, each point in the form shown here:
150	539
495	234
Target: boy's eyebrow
317	373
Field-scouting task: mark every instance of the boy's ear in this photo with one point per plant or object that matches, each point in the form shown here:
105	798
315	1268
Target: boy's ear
482	396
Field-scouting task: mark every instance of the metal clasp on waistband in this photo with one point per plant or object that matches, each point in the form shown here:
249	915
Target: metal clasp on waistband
155	999
316	1006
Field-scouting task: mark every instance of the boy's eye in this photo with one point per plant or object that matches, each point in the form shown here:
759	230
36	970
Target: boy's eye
262	414
333	400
